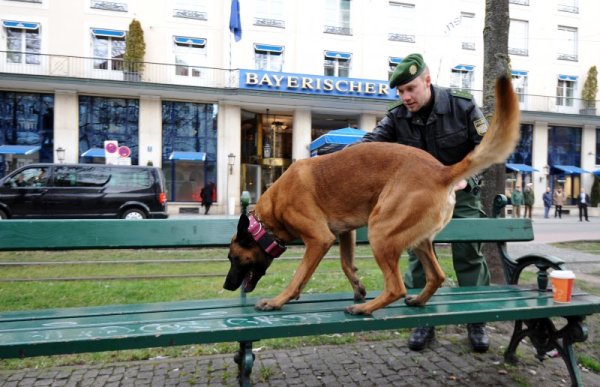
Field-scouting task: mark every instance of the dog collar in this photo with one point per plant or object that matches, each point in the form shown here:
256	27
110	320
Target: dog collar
265	240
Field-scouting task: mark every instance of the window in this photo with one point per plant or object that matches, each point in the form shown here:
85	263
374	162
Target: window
108	47
190	9
337	17
189	127
81	176
567	43
102	119
462	77
269	13
23	42
190	53
118	6
268	57
518	37
337	64
564	90
467	26
597	146
519	81
30	177
402	18
571	6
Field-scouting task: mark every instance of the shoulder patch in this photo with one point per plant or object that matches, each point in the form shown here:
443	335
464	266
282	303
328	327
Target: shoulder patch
481	126
461	94
395	105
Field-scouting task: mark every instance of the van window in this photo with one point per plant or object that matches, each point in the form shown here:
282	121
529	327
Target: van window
91	176
30	177
130	178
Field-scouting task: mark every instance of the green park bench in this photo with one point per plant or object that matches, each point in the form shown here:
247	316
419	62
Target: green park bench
119	327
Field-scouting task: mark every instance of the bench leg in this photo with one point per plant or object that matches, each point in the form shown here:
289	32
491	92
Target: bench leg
245	360
545	337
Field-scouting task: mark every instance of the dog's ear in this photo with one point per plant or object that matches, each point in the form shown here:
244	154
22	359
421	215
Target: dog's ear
243	224
243	236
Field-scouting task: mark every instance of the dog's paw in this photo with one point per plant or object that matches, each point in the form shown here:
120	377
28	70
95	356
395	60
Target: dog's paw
356	310
265	305
412	301
360	293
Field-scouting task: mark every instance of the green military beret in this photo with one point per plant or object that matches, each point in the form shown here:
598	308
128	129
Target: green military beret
411	67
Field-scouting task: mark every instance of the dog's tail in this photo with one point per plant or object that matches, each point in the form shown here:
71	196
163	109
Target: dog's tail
500	139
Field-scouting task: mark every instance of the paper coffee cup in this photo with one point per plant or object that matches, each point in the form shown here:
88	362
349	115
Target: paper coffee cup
562	285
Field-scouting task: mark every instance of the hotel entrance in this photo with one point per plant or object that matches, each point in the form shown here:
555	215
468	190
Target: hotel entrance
266	150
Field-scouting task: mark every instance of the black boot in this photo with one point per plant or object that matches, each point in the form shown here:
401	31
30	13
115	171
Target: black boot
480	342
420	338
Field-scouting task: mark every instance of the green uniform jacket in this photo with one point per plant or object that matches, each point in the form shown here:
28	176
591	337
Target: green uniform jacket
449	134
529	197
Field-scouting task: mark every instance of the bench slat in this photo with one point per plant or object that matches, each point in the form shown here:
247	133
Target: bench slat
72	234
73	330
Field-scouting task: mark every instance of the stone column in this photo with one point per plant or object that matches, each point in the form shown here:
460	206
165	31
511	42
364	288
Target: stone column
367	122
66	124
150	130
229	135
301	135
539	161
588	156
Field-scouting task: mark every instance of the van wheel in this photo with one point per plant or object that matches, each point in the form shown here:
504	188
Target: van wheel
3	215
133	214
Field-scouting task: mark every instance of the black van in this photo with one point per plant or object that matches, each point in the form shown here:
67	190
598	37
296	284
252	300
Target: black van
83	191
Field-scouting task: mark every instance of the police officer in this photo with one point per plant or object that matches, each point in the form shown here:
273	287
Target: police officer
448	125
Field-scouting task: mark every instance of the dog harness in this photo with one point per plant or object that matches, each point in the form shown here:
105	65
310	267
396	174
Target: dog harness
265	240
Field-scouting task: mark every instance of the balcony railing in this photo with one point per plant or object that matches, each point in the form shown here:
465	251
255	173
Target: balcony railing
116	70
209	77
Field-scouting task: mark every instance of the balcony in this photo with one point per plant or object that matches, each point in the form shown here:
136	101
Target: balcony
64	67
114	70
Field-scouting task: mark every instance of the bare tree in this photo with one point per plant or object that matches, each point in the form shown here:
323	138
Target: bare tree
495	64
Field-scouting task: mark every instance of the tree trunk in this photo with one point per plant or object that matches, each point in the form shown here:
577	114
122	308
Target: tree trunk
495	64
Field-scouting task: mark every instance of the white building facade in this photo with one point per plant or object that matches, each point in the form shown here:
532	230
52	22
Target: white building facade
208	108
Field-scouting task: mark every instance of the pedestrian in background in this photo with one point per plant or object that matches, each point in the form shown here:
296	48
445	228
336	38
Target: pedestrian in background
582	202
208	195
547	198
528	199
559	201
516	199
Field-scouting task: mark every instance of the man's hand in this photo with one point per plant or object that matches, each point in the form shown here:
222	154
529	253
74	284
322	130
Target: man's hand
460	185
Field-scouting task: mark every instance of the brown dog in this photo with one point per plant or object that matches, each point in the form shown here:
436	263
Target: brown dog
403	194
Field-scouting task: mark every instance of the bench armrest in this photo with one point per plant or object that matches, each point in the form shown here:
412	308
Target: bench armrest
513	267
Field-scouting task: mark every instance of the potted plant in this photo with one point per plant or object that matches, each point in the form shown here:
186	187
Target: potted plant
588	94
135	49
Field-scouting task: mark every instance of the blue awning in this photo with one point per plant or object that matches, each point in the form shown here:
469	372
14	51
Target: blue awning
337	55
520	73
20	24
18	149
571	78
597	173
335	140
395	60
568	169
192	41
521	168
108	33
94	152
189	156
464	67
268	48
